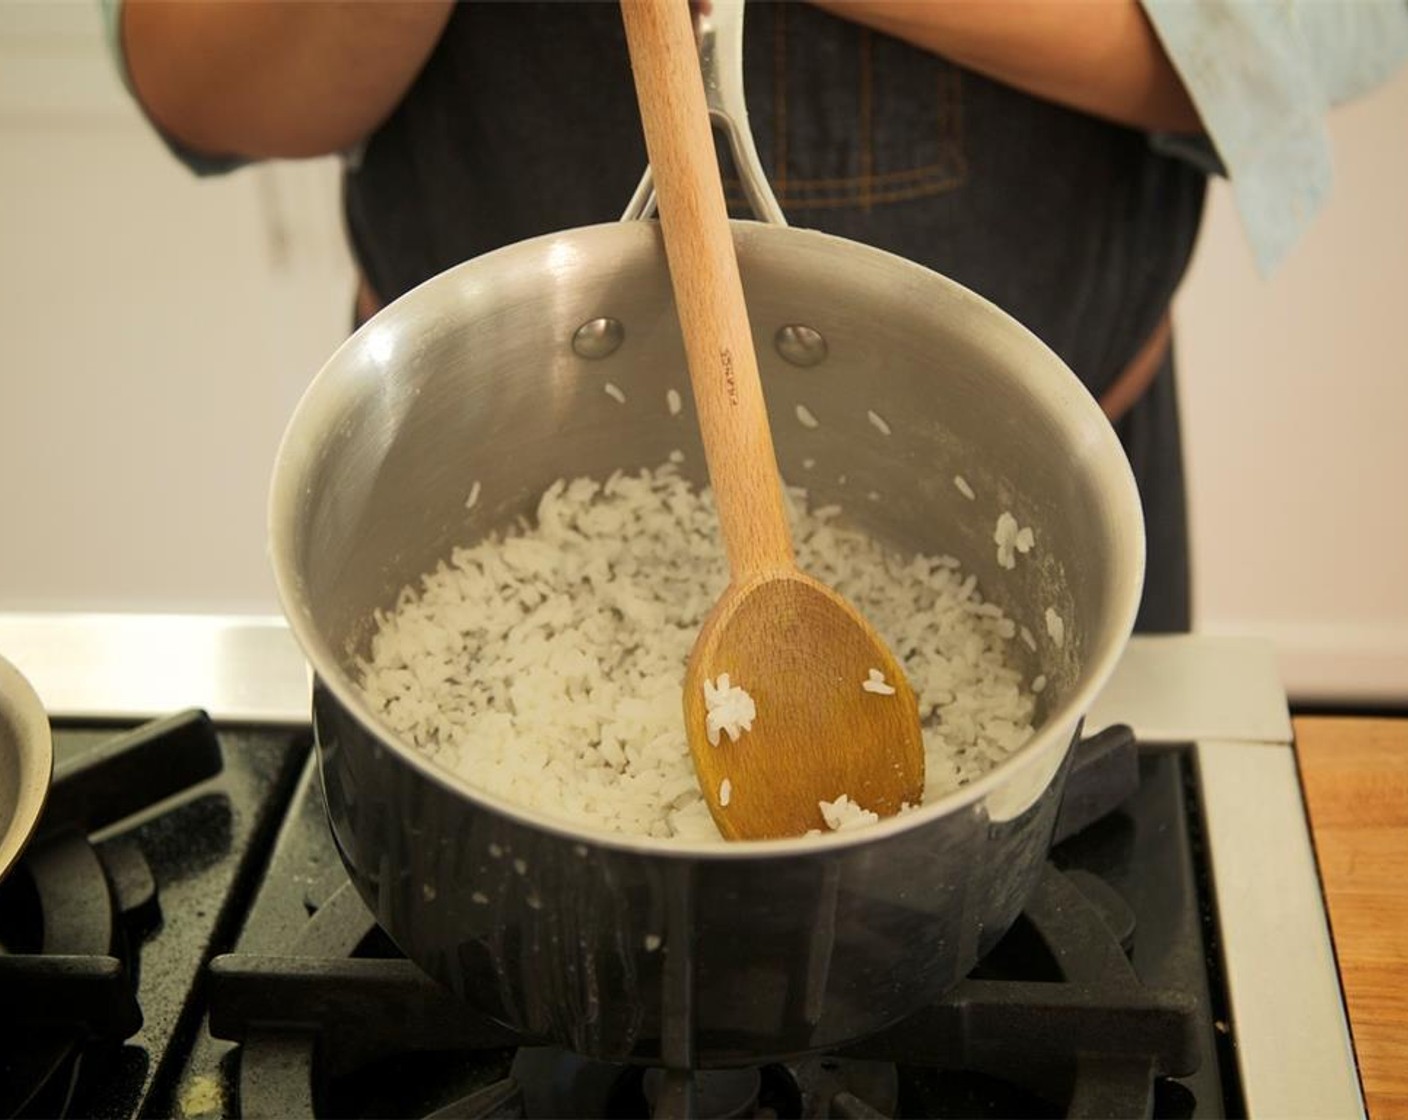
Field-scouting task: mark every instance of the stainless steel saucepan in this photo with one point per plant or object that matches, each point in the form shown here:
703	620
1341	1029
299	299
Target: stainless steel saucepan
685	953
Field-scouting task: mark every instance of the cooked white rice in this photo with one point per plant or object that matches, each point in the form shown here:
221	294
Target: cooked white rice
878	422
546	666
673	401
961	484
1011	539
805	417
728	709
614	392
843	813
875	682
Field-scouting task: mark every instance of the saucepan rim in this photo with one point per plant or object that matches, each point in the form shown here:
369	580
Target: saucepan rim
1054	733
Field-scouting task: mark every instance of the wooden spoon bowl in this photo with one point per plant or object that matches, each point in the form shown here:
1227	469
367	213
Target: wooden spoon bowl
805	657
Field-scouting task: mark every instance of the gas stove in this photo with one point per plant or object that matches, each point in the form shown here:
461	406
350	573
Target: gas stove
181	939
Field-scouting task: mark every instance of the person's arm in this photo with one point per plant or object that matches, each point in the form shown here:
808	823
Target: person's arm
1099	56
267	79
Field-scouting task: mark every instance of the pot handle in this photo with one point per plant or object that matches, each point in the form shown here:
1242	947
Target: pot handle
721	60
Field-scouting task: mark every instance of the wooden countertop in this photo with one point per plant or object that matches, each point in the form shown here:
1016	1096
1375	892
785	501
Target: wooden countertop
1355	773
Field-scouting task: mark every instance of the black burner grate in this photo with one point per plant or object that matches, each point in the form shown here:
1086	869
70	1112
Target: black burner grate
69	913
1090	1043
1076	1012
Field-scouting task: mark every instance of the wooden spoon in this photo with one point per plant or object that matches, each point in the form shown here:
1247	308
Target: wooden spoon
795	646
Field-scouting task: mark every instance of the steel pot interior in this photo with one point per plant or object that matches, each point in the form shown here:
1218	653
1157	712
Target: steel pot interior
473	378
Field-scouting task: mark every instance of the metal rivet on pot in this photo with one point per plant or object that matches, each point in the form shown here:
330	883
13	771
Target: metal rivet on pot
800	345
598	338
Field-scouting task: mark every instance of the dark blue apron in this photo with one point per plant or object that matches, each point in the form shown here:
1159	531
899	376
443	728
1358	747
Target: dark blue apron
524	122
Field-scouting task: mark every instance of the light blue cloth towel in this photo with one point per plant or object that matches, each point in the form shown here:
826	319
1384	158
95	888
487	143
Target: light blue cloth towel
1263	74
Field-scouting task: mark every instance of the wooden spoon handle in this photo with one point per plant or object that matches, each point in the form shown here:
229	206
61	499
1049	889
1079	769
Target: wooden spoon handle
708	292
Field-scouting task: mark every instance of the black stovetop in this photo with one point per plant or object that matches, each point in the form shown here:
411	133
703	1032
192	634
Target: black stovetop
230	909
149	848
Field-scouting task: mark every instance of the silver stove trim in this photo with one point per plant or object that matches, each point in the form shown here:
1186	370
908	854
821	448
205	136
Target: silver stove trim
1294	1047
240	669
1182	688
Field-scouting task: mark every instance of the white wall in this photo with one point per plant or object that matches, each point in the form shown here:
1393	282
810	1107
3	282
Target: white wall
156	332
1295	394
